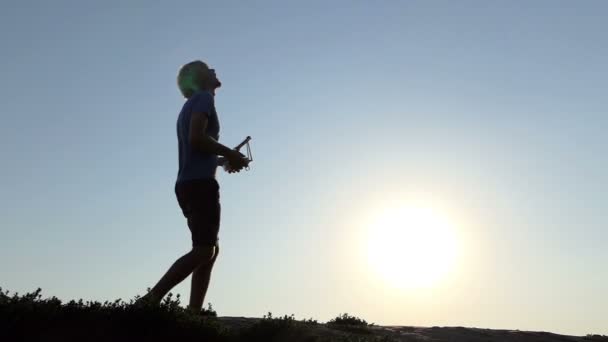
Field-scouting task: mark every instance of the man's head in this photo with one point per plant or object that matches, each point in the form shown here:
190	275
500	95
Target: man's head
196	76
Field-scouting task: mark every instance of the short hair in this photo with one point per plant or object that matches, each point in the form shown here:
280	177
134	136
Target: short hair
189	78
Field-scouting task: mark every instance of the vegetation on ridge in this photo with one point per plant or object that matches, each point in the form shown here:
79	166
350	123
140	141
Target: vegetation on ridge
29	317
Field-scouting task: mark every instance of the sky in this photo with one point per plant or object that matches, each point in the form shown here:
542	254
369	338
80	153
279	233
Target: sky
492	114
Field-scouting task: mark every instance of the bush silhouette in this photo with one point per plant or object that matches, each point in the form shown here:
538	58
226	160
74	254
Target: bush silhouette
345	319
29	317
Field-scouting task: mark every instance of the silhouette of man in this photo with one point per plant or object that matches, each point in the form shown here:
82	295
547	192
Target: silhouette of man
196	188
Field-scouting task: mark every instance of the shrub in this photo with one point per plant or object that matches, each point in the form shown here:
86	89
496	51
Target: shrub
349	323
268	328
28	317
345	319
208	312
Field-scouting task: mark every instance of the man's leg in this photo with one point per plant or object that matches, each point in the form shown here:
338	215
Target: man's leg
200	282
179	271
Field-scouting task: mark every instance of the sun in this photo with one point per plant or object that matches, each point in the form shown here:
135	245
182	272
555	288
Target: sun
411	247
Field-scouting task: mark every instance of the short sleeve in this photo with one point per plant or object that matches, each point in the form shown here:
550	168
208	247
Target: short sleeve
203	103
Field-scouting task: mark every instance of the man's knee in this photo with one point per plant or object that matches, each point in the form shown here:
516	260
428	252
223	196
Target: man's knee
203	253
216	252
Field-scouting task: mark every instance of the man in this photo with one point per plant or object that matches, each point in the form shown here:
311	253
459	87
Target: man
196	188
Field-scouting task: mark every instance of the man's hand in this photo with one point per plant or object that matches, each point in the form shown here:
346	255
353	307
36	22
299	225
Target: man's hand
236	161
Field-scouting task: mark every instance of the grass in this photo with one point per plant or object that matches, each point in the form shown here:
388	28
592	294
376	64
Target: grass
30	318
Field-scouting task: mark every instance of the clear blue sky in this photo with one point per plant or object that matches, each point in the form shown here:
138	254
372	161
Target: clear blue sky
496	112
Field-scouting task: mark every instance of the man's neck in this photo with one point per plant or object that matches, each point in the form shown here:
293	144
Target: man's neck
212	91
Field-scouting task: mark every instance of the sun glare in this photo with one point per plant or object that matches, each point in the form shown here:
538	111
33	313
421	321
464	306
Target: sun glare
411	247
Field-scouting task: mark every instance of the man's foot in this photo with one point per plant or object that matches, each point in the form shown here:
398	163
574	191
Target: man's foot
149	299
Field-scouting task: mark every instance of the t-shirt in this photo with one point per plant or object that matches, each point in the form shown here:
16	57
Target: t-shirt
194	164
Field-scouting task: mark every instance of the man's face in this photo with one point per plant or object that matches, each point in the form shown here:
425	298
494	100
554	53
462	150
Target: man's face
211	78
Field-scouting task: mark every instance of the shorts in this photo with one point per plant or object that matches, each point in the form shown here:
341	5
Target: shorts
199	200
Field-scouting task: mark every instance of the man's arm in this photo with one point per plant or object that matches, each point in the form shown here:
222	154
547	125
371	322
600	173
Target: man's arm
202	141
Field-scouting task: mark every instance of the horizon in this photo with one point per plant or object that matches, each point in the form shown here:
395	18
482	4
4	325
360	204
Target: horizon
415	163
